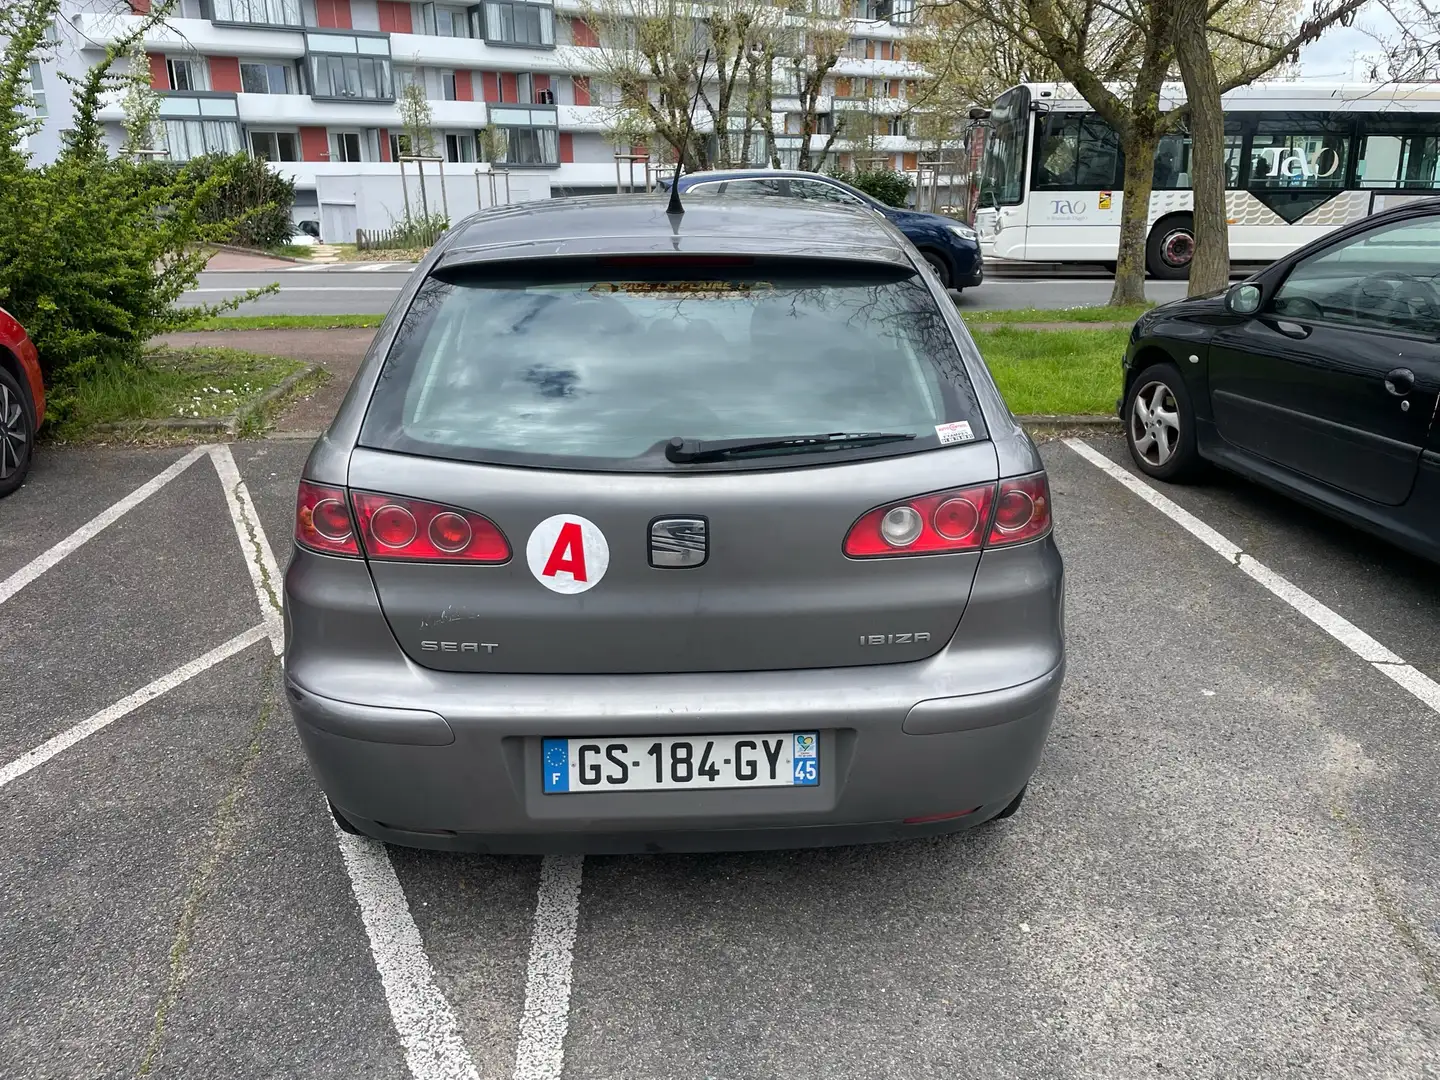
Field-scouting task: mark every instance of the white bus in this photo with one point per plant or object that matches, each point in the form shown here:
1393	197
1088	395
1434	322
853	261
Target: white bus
1302	158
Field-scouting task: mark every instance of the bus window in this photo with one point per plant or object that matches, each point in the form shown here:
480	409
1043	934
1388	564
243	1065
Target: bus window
1391	157
1002	169
1077	152
1299	150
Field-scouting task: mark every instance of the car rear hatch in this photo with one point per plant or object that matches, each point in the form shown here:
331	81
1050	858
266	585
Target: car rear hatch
537	403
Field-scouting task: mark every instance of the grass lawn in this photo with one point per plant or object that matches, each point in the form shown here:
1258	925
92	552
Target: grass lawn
208	384
1058	315
288	322
1056	371
293	251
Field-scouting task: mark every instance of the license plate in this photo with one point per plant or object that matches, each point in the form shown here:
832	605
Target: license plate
685	763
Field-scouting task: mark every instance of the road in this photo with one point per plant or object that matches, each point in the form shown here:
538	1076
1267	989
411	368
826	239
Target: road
365	289
1225	867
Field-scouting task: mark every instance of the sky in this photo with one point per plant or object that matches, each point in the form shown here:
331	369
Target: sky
1333	56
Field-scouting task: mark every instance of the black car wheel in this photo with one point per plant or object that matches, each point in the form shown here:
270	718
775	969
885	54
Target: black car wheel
1160	424
1171	248
17	433
938	265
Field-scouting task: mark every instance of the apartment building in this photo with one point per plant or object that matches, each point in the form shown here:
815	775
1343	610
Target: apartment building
312	86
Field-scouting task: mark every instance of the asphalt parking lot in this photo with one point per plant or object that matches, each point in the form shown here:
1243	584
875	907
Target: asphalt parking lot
1227	865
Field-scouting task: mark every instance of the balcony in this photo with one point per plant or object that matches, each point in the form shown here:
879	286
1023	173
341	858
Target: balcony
352	66
284	14
190	36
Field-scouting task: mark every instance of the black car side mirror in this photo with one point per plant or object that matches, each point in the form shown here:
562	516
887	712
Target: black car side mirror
1243	299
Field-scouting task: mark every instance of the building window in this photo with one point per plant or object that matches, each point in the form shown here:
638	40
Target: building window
184	74
445	21
345	66
258	12
345	146
37	89
186	139
531	137
399	145
275	145
263	77
460	148
447	85
509	23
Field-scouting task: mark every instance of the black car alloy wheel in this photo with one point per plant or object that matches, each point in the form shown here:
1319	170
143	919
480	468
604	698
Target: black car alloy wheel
1159	423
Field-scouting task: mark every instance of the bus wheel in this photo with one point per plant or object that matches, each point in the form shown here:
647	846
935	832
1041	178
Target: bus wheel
1170	248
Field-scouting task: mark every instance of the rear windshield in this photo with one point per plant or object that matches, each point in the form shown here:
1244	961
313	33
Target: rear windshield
571	370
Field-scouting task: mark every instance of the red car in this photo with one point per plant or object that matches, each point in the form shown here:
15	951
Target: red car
22	402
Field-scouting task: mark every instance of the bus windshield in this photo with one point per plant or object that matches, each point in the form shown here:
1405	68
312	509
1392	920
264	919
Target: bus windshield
1002	170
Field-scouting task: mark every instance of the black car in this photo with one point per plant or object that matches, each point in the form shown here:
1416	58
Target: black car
1319	376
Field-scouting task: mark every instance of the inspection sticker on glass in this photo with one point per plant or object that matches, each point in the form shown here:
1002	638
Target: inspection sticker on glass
959	431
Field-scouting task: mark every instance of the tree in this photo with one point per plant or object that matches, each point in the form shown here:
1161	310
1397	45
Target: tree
417	139
1247	50
813	41
649	58
141	103
95	251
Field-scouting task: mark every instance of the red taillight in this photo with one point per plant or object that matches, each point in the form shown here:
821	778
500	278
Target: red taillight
396	528
1022	511
955	520
322	520
947	521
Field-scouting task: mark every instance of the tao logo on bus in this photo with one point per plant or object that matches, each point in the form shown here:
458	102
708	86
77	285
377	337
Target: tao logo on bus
1067	207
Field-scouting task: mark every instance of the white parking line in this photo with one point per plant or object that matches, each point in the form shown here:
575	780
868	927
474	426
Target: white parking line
128	704
259	558
540	1052
1332	622
44	561
374	268
422	1017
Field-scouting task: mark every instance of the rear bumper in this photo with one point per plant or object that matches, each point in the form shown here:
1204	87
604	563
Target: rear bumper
453	761
482	790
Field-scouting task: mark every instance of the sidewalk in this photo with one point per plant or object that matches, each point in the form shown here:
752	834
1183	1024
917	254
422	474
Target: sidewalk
339	352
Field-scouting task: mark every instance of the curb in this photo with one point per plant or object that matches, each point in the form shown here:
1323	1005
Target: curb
225	425
233	250
1070	422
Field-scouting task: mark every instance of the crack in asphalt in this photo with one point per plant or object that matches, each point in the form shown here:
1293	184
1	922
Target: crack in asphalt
222	838
242	498
1388	906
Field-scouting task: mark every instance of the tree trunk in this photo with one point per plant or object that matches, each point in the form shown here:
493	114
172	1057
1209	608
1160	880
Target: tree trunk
1210	268
1139	146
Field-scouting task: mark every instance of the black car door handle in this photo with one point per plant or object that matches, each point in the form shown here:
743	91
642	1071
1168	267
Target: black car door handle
1291	329
1400	381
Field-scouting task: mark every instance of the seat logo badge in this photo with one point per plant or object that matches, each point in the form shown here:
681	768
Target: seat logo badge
679	543
567	554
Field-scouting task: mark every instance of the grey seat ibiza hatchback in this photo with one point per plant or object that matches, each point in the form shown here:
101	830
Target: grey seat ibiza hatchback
643	531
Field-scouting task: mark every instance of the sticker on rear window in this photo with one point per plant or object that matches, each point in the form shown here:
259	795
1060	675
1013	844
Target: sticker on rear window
959	431
710	290
568	554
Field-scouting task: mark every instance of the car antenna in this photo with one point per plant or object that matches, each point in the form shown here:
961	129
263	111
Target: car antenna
675	207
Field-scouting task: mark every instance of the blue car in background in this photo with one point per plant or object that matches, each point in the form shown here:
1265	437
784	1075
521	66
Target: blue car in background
950	247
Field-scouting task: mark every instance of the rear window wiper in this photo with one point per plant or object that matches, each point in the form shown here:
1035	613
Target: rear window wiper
686	451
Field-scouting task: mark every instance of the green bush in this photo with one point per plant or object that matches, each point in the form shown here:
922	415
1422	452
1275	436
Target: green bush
251	197
891	188
95	251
